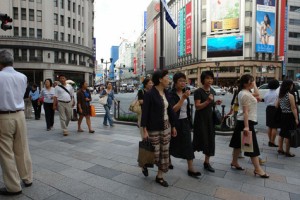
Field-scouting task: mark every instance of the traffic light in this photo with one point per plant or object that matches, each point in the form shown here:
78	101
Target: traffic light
5	19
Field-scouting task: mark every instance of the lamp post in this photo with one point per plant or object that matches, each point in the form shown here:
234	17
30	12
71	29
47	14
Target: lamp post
105	71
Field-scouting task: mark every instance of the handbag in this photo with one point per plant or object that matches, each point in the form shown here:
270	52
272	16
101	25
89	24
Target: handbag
246	142
92	111
74	115
103	100
146	153
217	117
135	107
295	138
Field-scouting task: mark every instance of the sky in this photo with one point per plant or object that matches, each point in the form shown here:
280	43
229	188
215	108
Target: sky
117	19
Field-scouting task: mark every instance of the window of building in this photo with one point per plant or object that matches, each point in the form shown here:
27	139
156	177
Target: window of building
16	13
62	20
294	60
24	32
24	54
82	27
70	58
74	7
31	15
294	47
69	22
79	40
31	32
82	11
16	53
31	0
74	25
39	55
16	31
295	22
82	41
55	35
39	15
69	4
294	35
79	9
55	3
295	9
62	4
55	19
56	53
79	25
31	54
62	36
63	57
74	39
39	33
23	13
39	1
69	37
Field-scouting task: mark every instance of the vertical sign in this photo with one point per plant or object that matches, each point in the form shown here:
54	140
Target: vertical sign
155	45
94	49
145	20
265	26
182	30
134	65
179	28
285	39
188	19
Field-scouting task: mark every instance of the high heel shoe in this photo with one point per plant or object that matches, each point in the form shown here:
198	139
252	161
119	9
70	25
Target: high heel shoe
236	167
280	152
261	176
289	155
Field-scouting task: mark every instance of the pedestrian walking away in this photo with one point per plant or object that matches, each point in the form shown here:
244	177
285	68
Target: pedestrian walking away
15	158
47	94
64	99
34	95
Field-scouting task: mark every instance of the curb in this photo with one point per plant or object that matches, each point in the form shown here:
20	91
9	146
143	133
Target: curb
125	123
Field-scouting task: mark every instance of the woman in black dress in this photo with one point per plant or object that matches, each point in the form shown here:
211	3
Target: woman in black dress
204	130
181	145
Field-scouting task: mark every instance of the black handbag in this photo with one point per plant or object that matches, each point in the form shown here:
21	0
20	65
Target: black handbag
295	138
217	117
146	154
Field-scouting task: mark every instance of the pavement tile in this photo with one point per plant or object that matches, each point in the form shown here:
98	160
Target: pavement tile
47	176
196	186
102	183
53	166
229	194
123	143
62	196
294	196
275	165
39	191
70	141
126	160
79	164
283	186
93	194
82	156
76	174
294	181
103	171
130	169
104	162
197	196
244	178
221	182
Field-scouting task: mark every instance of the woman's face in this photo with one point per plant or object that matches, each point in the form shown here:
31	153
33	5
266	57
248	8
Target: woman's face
109	86
208	81
149	85
85	85
180	84
164	81
47	83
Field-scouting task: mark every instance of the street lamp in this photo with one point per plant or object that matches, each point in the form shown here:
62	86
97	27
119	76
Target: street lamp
105	71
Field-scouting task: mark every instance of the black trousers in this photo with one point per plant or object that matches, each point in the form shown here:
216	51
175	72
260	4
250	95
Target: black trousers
37	109
49	114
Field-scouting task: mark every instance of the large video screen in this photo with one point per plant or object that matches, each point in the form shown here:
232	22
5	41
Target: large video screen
224	14
225	46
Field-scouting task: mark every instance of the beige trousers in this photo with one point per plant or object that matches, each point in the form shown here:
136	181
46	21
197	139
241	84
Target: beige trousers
28	108
15	158
65	114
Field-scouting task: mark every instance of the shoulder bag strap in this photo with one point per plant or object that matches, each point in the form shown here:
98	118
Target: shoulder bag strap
65	90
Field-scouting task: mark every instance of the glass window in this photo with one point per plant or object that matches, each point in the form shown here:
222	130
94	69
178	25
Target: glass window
16	31
62	4
69	4
78	25
74	7
82	27
295	9
55	19
294	35
31	32
62	20
23	13
294	47
74	25
69	37
69	22
82	41
31	54
39	33
39	55
295	22
39	15
16	53
56	56
294	60
62	37
31	0
55	35
79	40
16	13
39	1
82	11
31	15
55	3
24	32
24	54
74	39
79	9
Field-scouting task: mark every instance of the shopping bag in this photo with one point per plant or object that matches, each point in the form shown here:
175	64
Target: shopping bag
103	100
246	142
74	115
217	117
295	138
146	153
93	111
135	107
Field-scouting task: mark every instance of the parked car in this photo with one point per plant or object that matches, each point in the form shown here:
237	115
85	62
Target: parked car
130	88
218	90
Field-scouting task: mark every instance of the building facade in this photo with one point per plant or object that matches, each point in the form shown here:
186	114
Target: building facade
50	38
227	37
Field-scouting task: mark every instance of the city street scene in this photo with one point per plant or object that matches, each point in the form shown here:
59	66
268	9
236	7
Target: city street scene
150	99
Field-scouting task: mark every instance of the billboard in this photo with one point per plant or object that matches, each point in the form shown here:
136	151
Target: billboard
225	46
265	26
224	15
184	24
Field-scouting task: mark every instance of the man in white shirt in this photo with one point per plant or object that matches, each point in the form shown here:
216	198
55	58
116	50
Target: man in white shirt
15	158
64	95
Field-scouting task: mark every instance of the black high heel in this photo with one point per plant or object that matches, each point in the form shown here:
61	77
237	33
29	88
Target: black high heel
161	181
193	174
145	171
237	167
261	176
281	152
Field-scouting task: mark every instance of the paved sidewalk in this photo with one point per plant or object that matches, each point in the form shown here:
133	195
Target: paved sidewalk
103	166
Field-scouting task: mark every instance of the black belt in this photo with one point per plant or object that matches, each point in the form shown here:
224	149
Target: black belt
64	101
8	112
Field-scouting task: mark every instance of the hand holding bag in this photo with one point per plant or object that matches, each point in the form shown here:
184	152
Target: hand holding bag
135	107
146	153
103	100
246	142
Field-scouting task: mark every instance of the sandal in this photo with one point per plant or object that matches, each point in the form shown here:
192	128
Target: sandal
281	152
80	130
91	131
162	182
289	155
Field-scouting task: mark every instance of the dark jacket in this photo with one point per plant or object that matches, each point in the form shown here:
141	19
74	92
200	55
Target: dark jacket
153	111
174	98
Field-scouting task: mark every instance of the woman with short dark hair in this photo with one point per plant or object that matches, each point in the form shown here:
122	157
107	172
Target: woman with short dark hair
47	94
158	122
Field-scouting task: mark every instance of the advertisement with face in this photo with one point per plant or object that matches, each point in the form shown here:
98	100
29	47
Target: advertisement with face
224	14
230	46
265	27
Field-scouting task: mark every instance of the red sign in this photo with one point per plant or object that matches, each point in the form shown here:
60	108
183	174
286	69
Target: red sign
155	45
188	29
134	65
282	27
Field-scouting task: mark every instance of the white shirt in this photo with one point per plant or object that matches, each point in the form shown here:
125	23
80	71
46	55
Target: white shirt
62	95
246	98
12	86
270	97
48	94
183	110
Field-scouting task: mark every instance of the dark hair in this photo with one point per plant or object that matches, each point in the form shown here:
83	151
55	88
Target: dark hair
245	79
108	82
158	75
50	81
285	87
146	81
81	84
206	74
34	85
273	84
177	76
268	22
62	75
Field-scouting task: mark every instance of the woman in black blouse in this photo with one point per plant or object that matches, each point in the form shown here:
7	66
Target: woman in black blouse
158	122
